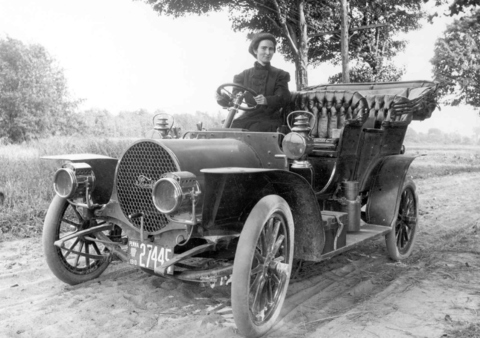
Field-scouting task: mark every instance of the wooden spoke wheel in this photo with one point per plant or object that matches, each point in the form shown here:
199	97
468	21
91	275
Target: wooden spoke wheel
262	266
401	239
80	259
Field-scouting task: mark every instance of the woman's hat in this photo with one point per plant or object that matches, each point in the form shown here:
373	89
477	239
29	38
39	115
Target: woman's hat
257	38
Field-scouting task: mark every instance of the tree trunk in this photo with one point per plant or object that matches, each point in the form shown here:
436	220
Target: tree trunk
301	61
301	73
344	43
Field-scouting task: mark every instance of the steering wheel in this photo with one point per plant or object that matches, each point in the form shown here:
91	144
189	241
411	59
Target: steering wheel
236	96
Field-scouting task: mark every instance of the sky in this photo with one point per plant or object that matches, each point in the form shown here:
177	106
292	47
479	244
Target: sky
120	55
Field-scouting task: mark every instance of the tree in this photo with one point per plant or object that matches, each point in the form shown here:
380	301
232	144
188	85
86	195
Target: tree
364	73
435	135
476	131
459	6
456	61
33	93
456	8
373	48
98	122
306	28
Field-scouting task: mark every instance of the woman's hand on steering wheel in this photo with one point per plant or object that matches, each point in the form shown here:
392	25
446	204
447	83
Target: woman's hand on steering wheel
261	100
235	97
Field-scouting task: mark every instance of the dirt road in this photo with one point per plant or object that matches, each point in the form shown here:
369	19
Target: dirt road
435	293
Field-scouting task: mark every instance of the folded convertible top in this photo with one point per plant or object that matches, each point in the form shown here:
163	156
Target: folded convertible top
418	99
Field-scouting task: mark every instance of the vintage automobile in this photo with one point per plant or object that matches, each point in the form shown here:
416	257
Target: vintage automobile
225	205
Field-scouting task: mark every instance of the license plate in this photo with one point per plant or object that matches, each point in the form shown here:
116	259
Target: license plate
149	255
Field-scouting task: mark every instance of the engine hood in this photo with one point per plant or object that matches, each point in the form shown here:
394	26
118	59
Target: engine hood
147	160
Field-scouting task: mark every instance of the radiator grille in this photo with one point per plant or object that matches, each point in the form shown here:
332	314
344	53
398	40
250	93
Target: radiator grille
140	167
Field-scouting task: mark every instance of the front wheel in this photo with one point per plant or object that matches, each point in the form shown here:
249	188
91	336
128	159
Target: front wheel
82	259
262	266
401	239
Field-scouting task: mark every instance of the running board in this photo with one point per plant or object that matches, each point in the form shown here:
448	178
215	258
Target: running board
367	232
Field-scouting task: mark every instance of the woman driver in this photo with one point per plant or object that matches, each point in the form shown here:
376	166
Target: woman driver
271	85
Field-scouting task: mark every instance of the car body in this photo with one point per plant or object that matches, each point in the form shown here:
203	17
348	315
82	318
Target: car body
228	206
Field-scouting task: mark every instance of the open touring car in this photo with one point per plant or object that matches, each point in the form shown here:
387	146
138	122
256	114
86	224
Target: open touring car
232	206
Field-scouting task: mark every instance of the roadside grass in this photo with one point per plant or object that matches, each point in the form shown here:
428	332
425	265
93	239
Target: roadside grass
26	180
442	160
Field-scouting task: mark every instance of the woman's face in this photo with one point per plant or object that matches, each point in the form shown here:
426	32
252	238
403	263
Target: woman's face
265	51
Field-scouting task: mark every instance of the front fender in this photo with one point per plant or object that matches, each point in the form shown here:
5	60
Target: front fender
231	193
103	167
384	196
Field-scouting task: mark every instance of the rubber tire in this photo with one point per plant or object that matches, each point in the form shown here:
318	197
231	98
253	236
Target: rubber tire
390	238
244	255
53	254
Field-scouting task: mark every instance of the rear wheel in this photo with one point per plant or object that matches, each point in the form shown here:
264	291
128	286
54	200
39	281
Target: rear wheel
401	239
81	260
262	266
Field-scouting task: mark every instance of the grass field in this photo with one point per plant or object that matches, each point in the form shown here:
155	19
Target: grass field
26	180
443	160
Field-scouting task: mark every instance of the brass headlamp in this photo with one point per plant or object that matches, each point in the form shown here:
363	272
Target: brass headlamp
174	190
72	180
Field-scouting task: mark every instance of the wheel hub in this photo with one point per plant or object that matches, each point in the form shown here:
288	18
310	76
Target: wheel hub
279	268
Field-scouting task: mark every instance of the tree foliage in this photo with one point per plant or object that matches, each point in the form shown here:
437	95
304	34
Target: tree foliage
436	136
308	30
33	93
456	61
375	46
364	73
459	6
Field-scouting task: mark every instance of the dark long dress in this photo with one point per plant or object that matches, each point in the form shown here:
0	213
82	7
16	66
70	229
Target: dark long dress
273	84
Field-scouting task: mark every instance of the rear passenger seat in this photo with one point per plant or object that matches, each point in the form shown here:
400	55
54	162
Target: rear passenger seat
371	105
331	109
371	122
